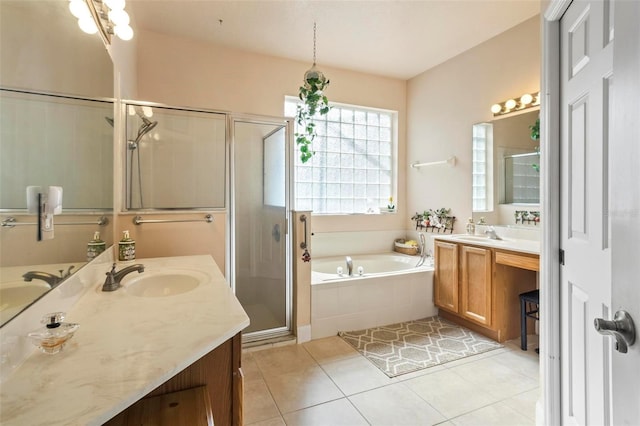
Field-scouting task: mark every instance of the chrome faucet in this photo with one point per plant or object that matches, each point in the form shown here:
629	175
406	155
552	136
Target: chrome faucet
491	233
51	279
349	265
112	282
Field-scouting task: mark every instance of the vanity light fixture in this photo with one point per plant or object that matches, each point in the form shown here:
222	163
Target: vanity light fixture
528	100
106	17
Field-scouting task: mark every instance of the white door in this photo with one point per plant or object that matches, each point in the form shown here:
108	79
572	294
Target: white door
586	65
625	205
600	208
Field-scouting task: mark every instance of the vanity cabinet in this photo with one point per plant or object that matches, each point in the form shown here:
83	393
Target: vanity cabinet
478	287
219	371
446	276
475	284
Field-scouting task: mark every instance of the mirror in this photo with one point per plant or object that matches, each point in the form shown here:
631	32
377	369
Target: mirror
175	158
57	85
506	164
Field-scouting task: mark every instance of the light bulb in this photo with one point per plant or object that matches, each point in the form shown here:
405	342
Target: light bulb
510	104
115	4
119	17
496	108
125	32
87	25
79	8
526	99
147	111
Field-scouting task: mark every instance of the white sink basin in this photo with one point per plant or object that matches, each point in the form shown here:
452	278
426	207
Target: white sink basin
163	283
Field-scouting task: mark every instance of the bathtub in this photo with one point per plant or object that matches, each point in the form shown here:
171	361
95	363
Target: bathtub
390	289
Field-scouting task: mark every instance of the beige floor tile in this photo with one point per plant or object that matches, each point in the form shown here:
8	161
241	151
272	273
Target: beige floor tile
474	358
497	414
533	341
354	375
449	393
283	360
250	368
258	403
334	413
330	349
521	362
301	389
276	421
395	404
418	373
490	375
525	403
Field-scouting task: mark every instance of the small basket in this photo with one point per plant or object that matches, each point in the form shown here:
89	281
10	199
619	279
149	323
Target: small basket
400	247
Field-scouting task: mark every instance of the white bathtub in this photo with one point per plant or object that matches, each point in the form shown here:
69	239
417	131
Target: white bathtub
391	289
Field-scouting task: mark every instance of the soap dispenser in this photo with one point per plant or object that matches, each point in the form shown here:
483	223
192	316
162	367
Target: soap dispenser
53	336
471	227
126	248
95	247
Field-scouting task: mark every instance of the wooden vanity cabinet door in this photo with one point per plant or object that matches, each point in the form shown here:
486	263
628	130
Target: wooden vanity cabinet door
446	276
475	284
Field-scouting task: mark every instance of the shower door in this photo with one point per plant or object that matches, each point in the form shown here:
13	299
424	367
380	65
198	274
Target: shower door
259	268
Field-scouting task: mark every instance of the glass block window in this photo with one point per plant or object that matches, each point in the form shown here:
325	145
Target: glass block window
482	185
353	166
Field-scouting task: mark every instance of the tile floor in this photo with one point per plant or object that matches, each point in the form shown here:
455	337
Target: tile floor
327	382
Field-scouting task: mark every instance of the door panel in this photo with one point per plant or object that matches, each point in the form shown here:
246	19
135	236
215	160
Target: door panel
260	239
585	278
476	284
625	205
446	276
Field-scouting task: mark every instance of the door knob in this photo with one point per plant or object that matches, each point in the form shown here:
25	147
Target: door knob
621	328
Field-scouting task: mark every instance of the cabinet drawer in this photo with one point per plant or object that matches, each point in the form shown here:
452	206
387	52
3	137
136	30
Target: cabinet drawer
517	260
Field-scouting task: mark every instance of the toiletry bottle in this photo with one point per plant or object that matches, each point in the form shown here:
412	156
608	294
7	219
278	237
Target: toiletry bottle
95	247
126	247
471	227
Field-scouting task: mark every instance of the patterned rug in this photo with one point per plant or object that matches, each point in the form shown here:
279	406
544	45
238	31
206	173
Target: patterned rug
410	346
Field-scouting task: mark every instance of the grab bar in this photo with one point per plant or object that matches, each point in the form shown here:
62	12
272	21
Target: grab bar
11	222
138	220
303	219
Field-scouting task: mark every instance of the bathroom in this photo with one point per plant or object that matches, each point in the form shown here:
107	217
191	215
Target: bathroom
454	96
158	56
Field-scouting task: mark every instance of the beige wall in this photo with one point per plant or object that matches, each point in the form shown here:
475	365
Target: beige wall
42	48
184	72
444	102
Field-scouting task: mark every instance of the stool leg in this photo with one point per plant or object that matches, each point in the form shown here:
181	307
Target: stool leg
523	325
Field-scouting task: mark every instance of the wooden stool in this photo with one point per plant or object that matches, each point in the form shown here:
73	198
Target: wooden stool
529	308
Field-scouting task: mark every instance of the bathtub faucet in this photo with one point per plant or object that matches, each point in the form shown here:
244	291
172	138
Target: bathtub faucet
349	265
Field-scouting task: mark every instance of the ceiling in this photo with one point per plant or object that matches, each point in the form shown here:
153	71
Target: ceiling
394	38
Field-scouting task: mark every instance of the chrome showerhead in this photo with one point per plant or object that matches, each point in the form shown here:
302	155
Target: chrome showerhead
146	127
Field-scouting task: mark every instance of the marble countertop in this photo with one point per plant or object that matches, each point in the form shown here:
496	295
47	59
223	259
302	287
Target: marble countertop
510	244
125	347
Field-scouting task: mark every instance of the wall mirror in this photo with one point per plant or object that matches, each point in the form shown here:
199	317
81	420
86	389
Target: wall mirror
56	106
506	164
175	158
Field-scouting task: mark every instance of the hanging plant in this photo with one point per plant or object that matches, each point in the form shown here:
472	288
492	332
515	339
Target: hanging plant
535	135
313	102
535	130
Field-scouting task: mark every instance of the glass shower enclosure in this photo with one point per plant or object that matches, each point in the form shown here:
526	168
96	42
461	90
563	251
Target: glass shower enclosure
260	263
